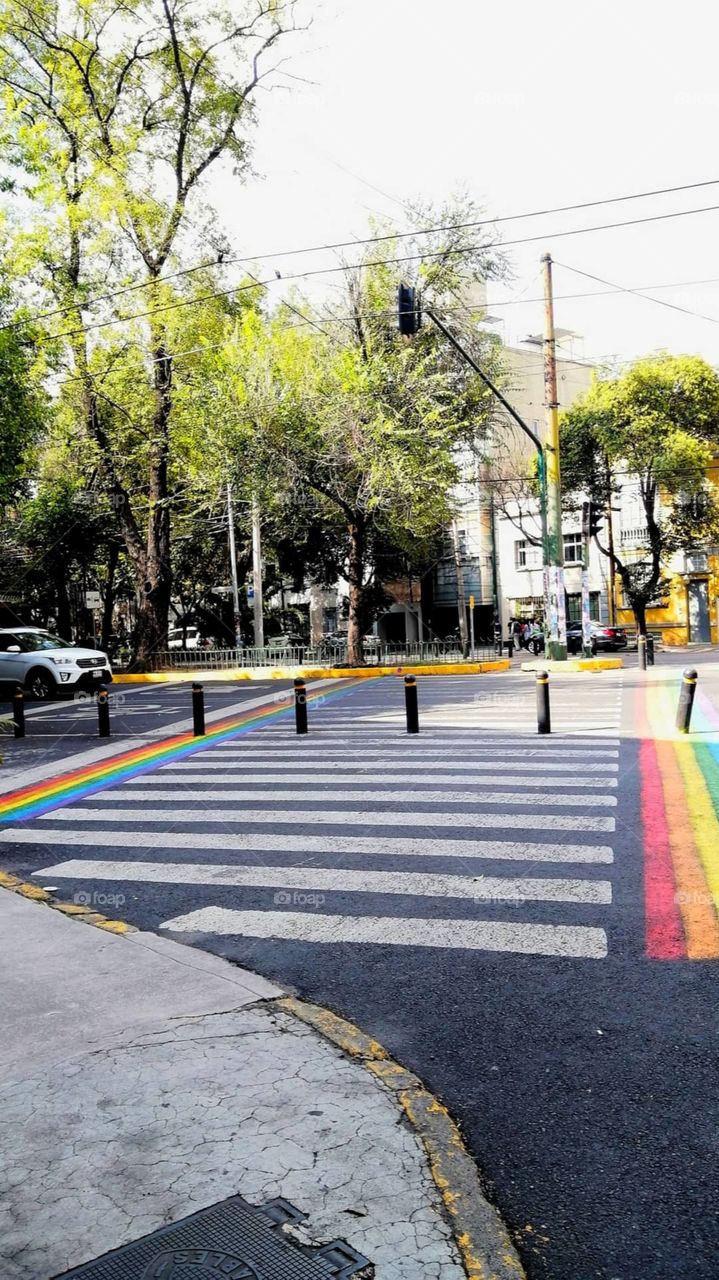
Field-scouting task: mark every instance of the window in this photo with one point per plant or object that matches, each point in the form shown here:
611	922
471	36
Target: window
574	606
696	562
573	548
527	555
34	641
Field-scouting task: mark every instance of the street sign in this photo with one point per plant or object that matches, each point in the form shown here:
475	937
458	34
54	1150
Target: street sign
471	602
93	600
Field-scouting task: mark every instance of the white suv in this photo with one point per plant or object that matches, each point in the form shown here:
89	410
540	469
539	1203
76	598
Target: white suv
44	665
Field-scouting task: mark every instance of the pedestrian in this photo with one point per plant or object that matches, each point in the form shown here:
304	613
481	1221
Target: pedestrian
515	632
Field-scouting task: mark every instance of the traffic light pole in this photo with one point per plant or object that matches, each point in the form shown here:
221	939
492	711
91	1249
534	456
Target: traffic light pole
541	465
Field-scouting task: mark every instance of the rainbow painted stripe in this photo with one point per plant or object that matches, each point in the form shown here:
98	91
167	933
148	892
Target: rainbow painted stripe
53	793
680	813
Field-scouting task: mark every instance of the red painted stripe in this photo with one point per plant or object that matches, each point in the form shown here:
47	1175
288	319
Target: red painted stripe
664	933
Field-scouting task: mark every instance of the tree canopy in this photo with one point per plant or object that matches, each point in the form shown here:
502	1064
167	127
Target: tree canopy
656	425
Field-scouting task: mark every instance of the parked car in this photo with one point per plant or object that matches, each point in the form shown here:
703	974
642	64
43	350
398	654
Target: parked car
603	638
192	638
278	644
43	665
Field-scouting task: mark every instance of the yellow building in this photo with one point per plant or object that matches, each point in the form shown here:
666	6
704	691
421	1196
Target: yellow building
690	611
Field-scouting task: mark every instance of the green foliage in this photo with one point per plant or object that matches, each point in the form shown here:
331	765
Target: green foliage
658	422
24	410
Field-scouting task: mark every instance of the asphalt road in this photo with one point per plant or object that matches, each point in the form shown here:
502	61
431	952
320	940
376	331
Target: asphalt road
473	898
58	730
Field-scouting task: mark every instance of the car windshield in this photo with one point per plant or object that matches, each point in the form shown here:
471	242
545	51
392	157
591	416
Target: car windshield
31	641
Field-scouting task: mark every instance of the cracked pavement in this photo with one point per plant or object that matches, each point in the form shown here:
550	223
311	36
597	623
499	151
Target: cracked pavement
143	1080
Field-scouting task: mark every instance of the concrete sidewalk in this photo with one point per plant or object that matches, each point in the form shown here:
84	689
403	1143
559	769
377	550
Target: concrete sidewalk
143	1080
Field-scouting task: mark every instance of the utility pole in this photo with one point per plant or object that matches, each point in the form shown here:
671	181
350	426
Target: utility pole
461	604
259	626
586	603
611	593
555	606
233	569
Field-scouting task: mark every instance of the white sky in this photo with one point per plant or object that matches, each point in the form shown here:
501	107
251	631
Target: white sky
526	106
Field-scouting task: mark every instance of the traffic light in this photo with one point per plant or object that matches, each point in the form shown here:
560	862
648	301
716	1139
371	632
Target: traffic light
410	316
591	519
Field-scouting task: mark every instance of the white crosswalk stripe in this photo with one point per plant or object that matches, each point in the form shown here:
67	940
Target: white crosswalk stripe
391	840
212	767
333	817
334	776
424	884
361	846
475	935
373	796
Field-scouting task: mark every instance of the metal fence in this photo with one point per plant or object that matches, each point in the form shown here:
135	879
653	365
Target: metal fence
436	651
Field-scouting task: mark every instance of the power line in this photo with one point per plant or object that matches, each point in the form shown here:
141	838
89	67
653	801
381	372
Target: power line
420	231
660	302
378	262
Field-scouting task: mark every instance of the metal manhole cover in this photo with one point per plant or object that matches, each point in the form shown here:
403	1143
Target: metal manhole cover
232	1240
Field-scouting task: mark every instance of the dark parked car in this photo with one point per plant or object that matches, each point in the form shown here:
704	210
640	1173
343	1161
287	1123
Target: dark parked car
603	638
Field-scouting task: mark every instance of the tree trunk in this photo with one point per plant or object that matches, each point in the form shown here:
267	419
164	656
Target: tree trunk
109	601
155	589
63	620
355	578
639	609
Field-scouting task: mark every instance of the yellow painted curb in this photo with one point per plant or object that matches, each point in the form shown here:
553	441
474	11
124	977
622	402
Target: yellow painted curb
574	664
85	914
313	673
477	1228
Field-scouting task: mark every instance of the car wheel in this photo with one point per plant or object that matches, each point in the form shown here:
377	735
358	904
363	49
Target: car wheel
40	685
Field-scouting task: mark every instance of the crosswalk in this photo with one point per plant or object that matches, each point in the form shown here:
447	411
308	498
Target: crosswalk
475	835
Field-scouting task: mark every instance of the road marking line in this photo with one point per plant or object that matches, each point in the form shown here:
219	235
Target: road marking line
410	778
341	880
362	846
525	939
371	796
342	767
328	817
310	748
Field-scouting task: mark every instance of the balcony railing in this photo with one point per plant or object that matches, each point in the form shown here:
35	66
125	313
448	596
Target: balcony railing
636	537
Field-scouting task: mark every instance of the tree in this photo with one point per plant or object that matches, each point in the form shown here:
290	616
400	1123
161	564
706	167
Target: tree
658	423
364	430
113	119
24	408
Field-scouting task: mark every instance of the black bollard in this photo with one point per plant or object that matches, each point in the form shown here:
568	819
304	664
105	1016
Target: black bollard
686	700
18	713
642	652
103	712
300	706
410	703
510	648
198	710
650	651
544	723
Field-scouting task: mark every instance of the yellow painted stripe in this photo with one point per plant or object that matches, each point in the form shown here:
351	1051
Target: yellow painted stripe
703	817
318	673
701	926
